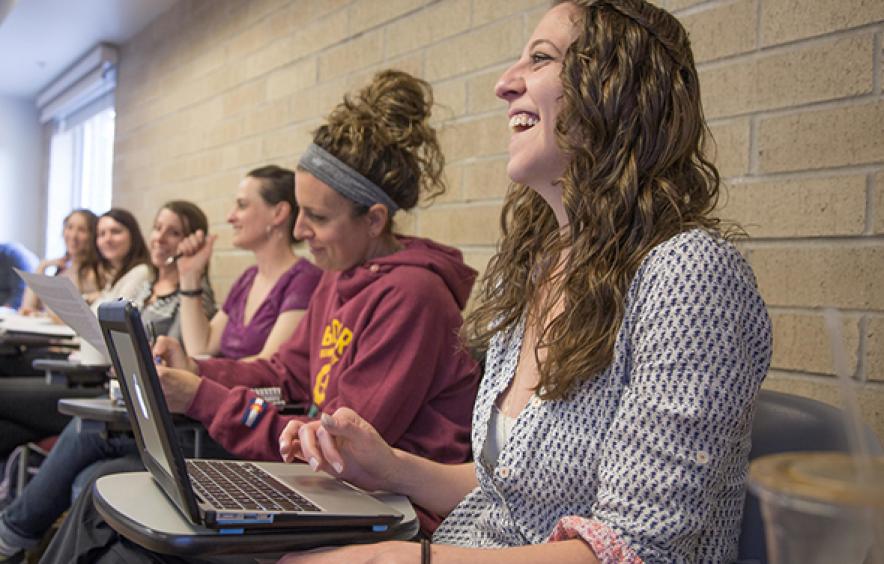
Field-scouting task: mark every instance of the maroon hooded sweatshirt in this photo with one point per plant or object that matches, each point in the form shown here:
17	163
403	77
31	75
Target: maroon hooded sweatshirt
381	339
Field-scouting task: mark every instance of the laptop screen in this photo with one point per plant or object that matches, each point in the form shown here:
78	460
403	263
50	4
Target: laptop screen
157	441
148	425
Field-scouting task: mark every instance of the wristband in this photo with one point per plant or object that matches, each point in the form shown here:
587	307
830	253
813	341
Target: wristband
425	551
191	293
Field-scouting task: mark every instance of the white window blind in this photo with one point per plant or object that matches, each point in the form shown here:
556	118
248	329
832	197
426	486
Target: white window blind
80	105
80	172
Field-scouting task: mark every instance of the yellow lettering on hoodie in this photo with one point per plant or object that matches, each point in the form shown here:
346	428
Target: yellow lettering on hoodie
335	339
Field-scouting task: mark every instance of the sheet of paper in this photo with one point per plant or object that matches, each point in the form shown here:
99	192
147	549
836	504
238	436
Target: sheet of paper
60	295
15	323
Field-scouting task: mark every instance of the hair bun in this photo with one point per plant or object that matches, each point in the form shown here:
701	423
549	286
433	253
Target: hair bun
383	132
392	110
399	105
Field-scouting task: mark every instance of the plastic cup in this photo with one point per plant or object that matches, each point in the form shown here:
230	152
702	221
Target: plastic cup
820	507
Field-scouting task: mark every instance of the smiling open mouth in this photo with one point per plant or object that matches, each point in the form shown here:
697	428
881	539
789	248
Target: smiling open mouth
523	121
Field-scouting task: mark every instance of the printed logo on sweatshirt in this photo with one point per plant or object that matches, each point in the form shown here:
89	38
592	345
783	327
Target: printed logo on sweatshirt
335	339
253	412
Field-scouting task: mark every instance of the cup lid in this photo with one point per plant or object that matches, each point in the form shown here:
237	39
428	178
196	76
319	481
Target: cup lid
833	477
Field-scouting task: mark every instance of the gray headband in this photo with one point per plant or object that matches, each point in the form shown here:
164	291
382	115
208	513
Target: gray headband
343	179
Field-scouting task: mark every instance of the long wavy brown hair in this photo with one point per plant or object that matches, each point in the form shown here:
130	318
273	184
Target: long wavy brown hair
632	129
138	253
383	132
192	218
89	261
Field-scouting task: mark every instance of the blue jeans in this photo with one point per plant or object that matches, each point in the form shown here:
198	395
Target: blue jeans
49	493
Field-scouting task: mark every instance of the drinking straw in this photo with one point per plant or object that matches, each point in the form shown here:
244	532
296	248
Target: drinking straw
856	435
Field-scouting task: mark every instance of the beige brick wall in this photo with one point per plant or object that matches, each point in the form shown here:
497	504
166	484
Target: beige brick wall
792	91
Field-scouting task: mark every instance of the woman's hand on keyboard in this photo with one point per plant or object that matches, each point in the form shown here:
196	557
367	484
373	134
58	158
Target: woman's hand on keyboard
344	445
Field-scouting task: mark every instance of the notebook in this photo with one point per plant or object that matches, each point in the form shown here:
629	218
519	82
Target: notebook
231	496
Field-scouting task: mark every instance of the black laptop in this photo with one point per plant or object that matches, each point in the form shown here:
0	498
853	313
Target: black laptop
231	496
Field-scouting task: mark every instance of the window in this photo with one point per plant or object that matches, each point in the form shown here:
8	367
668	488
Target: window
79	104
80	171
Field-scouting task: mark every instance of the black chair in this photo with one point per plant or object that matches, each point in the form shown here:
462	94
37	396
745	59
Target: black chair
789	423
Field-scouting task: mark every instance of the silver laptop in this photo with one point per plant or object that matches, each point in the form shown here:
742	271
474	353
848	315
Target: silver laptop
231	496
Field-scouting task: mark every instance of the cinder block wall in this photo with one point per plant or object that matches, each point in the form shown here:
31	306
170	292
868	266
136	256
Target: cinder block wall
792	91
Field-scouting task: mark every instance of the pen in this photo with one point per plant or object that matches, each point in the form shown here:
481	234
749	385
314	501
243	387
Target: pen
173	258
151	333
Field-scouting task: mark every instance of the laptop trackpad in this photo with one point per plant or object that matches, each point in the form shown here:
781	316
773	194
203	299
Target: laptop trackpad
326	492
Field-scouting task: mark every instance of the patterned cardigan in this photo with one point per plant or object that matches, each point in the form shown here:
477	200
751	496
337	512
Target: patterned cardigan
646	461
160	317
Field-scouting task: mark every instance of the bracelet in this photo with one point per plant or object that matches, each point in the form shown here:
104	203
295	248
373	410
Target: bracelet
191	293
425	551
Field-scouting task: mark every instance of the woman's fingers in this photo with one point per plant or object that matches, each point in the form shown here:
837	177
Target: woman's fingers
312	442
329	448
289	444
209	242
170	352
344	423
309	448
191	244
163	347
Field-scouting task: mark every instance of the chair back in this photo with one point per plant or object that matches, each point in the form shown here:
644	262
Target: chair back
788	423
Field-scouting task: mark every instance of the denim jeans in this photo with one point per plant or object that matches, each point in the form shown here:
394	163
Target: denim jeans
78	458
49	493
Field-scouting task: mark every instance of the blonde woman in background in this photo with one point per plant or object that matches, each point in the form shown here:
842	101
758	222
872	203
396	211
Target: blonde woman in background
80	262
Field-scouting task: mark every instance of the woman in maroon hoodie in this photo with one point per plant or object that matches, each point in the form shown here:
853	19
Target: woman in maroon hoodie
380	333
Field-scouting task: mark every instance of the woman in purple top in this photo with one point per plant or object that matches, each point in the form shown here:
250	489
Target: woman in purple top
266	303
289	296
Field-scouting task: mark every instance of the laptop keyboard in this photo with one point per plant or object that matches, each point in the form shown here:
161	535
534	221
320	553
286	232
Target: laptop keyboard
243	486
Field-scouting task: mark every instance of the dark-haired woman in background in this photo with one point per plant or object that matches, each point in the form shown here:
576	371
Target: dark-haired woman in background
80	262
123	257
268	300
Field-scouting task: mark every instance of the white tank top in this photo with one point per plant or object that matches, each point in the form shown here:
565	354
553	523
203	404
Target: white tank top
500	427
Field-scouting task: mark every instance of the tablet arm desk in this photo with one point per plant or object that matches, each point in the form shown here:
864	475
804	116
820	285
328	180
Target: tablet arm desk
103	414
74	373
138	509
